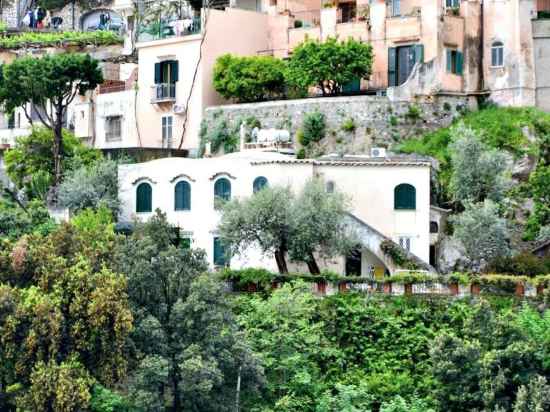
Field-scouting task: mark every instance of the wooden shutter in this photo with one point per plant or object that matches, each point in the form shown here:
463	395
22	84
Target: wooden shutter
419	53
405	197
158	73
459	62
219	252
259	184
222	189
182	194
174	69
449	60
392	66
144	198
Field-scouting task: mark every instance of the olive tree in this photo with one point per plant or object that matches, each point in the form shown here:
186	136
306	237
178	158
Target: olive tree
478	172
50	83
483	233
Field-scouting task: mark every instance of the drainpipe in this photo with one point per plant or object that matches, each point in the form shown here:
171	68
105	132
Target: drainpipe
482	49
72	12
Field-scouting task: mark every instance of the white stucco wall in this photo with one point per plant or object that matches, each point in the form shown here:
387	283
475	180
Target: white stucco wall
369	187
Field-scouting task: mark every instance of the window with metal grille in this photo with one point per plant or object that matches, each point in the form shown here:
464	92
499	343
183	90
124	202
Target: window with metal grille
113	127
144	198
405	242
405	197
259	183
182	195
434	227
497	54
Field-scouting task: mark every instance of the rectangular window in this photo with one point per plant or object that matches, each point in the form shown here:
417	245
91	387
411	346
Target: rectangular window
166	72
167	122
113	126
11	121
455	61
220	258
405	242
396	8
452	4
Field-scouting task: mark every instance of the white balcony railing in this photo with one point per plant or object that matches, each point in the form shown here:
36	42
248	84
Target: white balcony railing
164	92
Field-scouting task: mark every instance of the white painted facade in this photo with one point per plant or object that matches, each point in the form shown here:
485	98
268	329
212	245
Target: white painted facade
369	184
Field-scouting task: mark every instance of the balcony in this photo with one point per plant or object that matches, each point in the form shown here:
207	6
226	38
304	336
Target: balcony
163	92
404	28
168	28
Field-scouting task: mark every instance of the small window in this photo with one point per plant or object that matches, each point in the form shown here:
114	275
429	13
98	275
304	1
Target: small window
455	61
434	227
405	242
182	196
167	122
11	121
396	8
497	54
222	190
330	187
220	255
113	128
452	4
144	198
405	197
259	183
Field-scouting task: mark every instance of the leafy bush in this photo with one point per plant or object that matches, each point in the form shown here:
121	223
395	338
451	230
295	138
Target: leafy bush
98	37
539	189
313	128
15	222
250	78
348	125
105	400
220	134
525	264
398	255
329	65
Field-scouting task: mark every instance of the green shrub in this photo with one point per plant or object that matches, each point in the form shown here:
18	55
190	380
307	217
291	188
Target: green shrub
398	255
525	264
414	113
313	128
348	125
98	37
249	78
221	134
301	153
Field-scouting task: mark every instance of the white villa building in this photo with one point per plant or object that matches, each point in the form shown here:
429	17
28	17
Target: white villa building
390	199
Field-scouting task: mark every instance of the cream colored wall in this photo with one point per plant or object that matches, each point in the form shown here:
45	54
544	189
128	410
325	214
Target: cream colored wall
186	50
370	189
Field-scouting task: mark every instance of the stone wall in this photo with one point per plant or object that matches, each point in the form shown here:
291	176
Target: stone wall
378	121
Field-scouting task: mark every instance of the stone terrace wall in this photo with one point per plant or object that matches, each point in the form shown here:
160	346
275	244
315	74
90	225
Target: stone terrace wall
379	122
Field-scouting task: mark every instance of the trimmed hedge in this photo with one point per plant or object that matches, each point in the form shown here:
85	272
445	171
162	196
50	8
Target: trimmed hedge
44	39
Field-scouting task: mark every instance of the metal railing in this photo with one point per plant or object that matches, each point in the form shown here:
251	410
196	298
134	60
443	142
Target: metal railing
164	92
164	29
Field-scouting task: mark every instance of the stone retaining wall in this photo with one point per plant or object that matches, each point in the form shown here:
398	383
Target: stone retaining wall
378	121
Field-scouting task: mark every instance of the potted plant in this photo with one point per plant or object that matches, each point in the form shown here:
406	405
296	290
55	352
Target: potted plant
298	24
363	13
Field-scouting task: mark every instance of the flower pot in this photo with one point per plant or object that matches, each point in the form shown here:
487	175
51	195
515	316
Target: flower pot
342	287
475	289
386	287
251	287
453	289
520	289
274	285
322	288
408	289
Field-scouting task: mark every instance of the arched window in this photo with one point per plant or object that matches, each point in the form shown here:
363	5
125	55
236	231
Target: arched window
144	198
434	227
182	196
329	186
222	190
497	54
259	183
404	197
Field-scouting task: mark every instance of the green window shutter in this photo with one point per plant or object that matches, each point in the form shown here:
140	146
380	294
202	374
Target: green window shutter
144	198
182	196
459	62
219	253
392	66
222	189
174	71
449	60
404	197
419	53
158	73
353	86
259	183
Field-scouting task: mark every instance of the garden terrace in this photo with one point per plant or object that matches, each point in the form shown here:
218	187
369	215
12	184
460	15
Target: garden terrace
58	39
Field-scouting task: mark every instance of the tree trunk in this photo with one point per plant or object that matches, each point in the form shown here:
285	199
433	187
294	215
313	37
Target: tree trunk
312	265
176	407
281	261
57	147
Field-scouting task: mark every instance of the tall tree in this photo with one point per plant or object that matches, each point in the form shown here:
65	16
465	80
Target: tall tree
50	83
189	348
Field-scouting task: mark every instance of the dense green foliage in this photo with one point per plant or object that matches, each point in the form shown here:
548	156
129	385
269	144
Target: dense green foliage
50	83
313	128
30	166
395	354
329	65
81	38
249	78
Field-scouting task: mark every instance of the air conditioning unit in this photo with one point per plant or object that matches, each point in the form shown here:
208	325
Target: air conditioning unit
378	152
179	109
